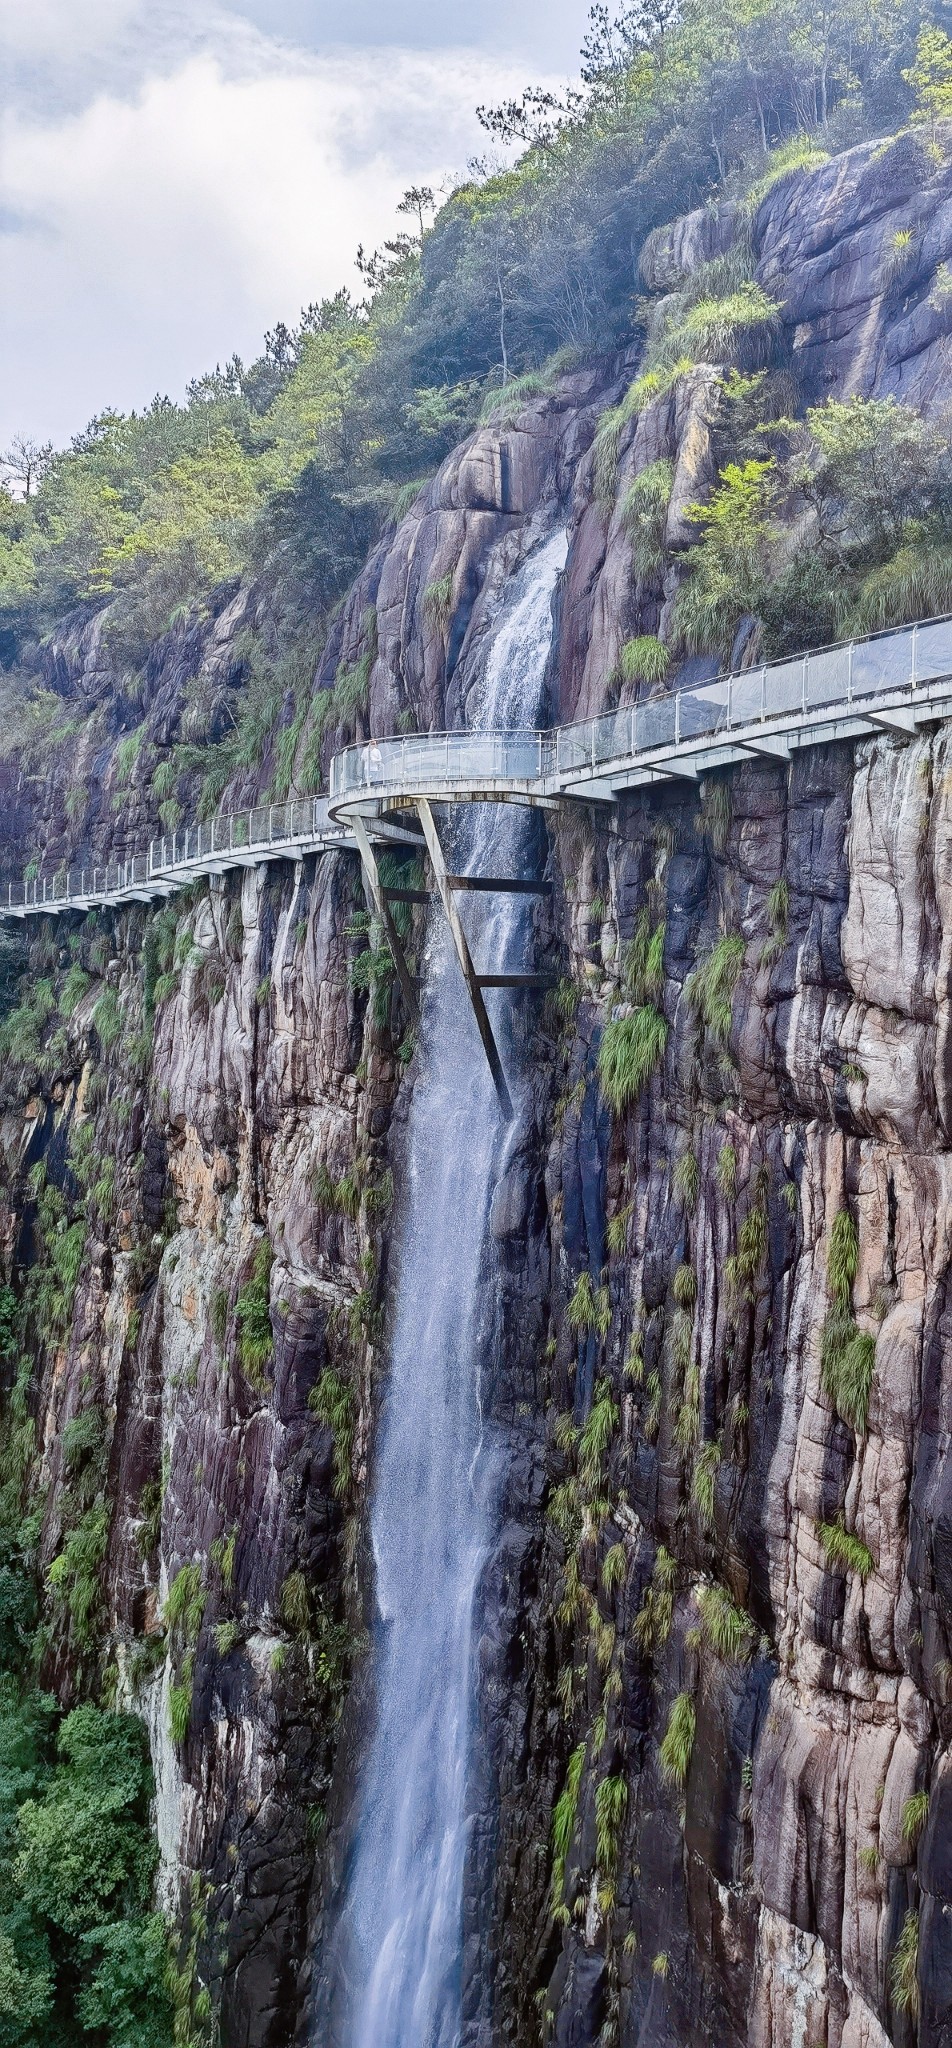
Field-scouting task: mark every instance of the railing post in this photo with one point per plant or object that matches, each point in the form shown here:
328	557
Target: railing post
677	718
803	688
763	691
849	674
913	679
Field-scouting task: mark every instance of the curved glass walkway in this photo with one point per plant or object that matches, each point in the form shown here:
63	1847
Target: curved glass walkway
892	681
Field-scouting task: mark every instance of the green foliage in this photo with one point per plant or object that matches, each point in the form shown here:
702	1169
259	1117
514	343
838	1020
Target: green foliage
710	989
296	1603
563	1822
915	1813
596	1435
848	1362
729	1631
180	1707
800	153
644	660
73	989
904	1967
332	1401
81	1953
185	1603
75	1574
106	1019
715	329
725	1171
848	1355
253	1316
842	1259
931	75
589	1308
686	1179
438	601
614	1567
704	1482
677	1744
643	962
338	1197
630	1050
732	559
652	1626
842	1547
644	514
611	1805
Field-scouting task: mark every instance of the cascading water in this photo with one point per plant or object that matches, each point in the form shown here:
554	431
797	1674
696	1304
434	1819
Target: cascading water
397	1953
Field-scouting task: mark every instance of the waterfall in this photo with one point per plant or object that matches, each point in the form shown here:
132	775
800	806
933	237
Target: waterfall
397	1951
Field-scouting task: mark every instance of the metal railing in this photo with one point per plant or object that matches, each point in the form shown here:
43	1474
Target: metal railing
224	841
837	677
799	693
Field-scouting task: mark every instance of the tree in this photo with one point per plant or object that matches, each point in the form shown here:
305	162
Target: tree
931	76
418	201
24	464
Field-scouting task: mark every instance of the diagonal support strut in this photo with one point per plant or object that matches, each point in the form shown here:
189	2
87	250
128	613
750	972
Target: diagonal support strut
448	899
385	914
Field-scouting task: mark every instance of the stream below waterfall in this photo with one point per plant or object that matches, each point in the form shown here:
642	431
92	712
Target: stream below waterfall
396	1952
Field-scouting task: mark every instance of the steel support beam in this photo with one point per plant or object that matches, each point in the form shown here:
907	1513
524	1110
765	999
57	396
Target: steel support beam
495	882
470	976
382	908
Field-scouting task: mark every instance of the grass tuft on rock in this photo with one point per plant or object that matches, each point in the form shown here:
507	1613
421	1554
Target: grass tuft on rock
631	1048
677	1743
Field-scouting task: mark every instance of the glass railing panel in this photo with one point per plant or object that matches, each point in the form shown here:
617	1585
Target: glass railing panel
610	734
783	687
655	724
747	691
703	710
881	664
934	651
828	677
523	757
571	750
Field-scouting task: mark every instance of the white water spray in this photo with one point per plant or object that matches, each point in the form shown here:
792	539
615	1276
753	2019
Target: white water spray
397	1951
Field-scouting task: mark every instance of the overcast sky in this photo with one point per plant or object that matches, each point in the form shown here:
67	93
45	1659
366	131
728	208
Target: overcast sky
175	178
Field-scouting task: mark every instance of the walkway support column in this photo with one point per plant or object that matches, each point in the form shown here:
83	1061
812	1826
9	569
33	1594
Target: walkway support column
385	914
448	901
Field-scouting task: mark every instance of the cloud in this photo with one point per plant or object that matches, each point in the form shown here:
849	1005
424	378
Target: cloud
148	236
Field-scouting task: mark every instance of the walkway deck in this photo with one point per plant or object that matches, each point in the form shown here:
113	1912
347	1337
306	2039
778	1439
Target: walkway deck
893	681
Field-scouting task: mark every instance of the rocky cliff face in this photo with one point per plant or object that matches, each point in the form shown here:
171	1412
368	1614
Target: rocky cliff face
715	1631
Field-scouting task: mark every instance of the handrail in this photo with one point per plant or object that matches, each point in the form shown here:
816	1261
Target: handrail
847	686
845	674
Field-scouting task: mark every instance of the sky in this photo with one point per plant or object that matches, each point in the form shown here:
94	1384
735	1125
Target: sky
175	178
